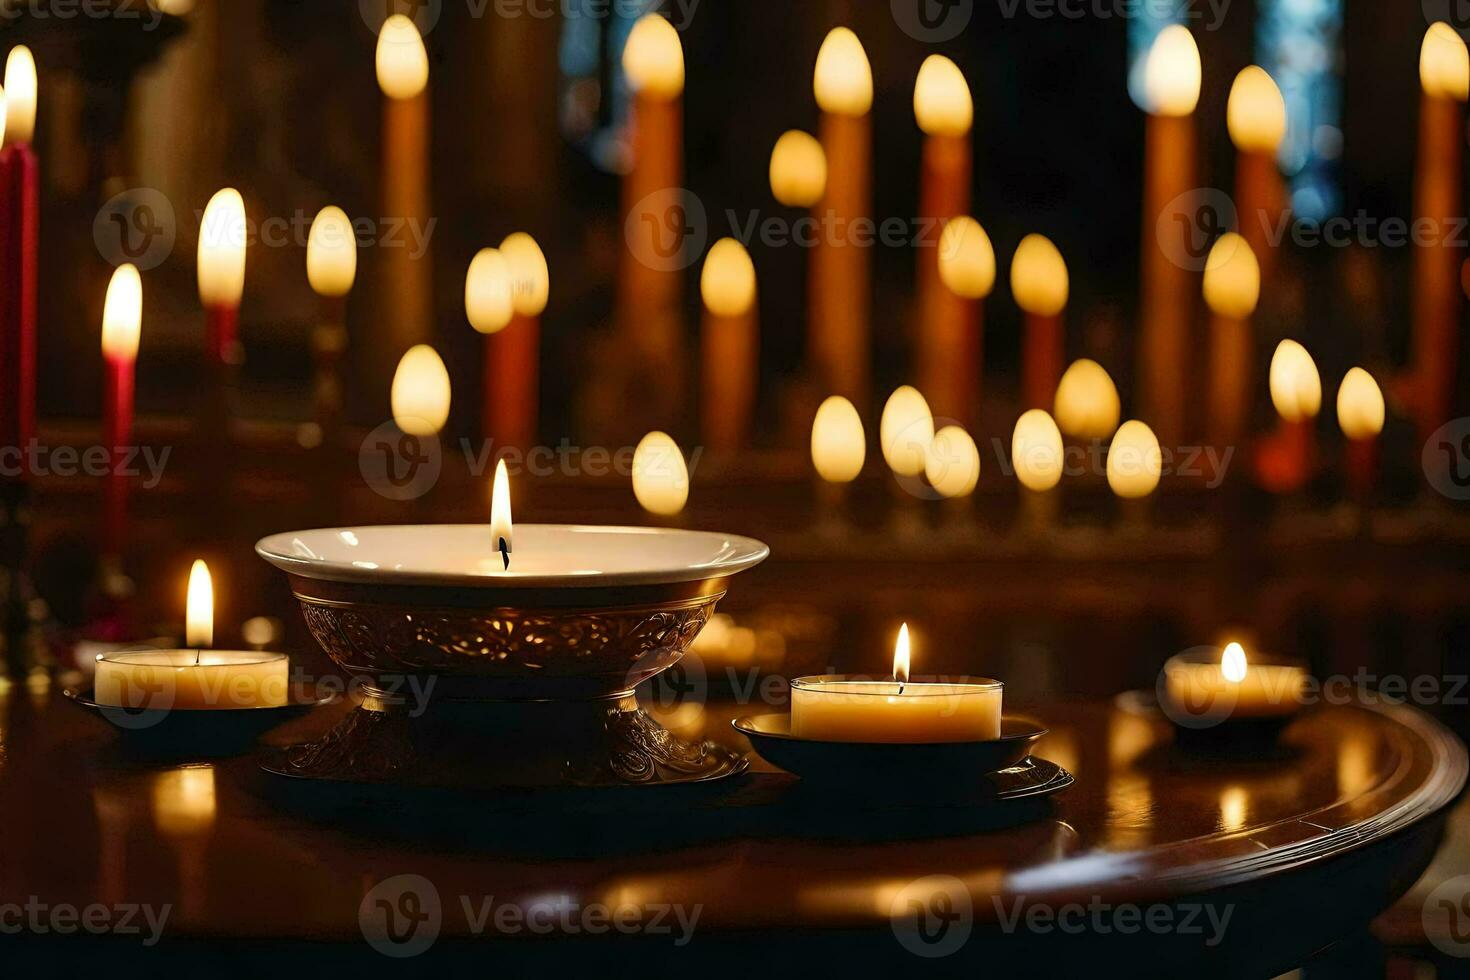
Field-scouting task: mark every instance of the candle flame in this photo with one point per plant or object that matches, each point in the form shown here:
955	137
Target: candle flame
403	64
1444	63
1172	73
660	477
222	239
501	527
1036	451
798	169
20	97
122	314
1256	113
1039	278
530	278
942	102
421	392
901	655
1087	405
843	81
966	258
331	253
1296	387
727	282
1135	461
1232	280
1360	409
953	463
838	446
905	431
1233	663
653	57
199	608
489	295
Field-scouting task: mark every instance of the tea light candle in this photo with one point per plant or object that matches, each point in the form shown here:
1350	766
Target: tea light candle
853	709
197	679
1234	688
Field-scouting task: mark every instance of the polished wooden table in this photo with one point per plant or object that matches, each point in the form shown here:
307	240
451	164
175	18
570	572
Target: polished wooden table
1157	859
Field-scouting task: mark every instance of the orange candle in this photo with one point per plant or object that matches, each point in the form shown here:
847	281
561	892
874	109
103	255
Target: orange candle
512	400
945	111
1232	287
729	352
1256	115
1287	461
840	334
650	284
1444	75
406	299
1172	84
331	268
957	329
1040	285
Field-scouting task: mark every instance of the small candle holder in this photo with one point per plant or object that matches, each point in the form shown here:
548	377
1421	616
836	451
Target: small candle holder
1205	706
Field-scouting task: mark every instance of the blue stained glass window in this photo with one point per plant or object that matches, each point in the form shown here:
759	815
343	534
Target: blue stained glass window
1299	43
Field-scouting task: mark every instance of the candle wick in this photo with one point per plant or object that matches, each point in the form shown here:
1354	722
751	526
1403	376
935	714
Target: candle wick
198	655
505	552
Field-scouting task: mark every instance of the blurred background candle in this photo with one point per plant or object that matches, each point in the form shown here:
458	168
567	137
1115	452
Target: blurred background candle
1360	415
331	268
1256	118
1040	285
196	678
798	170
1444	76
729	347
513	373
1135	466
489	305
1287	460
945	112
905	431
660	476
649	291
1232	286
20	218
404	281
1087	402
223	237
839	340
839	449
421	392
122	317
1037	456
1172	86
952	464
956	364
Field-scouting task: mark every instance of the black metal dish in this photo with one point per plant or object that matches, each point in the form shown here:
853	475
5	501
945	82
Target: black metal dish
197	732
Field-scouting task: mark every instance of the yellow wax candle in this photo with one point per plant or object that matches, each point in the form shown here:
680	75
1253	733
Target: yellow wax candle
853	709
192	680
1234	688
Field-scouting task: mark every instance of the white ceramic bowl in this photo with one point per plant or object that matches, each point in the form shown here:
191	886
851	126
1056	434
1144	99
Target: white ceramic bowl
544	556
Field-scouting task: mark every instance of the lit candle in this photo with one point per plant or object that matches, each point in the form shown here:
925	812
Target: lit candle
945	112
1087	402
489	305
660	476
405	281
840	333
730	346
514	372
839	449
903	710
1040	285
20	216
1172	85
1135	465
1296	394
331	268
196	678
421	393
798	170
122	318
1256	118
905	431
952	464
967	274
649	295
1233	688
1037	456
1444	75
1360	415
223	235
1232	287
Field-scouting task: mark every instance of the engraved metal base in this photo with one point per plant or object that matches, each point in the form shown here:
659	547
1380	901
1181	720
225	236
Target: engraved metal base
506	746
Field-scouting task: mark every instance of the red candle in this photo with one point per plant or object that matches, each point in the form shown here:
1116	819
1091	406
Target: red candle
19	232
1287	461
222	239
1360	415
512	398
1040	285
122	316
